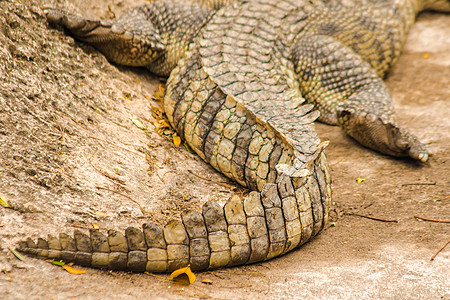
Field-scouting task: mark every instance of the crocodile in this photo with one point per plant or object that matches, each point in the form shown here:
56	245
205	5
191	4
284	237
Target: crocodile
246	82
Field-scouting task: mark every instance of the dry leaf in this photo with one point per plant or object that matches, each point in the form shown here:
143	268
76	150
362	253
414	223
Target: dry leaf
359	180
73	270
3	202
97	213
176	139
164	123
95	226
183	275
157	110
207	281
159	94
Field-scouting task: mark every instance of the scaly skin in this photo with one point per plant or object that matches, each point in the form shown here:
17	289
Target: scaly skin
239	78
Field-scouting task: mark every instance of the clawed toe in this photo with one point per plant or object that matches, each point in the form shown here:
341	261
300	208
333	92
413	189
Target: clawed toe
419	151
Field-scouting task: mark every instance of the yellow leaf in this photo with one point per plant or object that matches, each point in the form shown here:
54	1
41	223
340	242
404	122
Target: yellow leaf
176	139
155	109
156	124
95	226
3	202
426	55
359	180
97	213
181	274
159	94
207	281
73	270
164	123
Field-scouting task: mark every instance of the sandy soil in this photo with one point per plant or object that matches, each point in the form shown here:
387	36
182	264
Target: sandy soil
70	156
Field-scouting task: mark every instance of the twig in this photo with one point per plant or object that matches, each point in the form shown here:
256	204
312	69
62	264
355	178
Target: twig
337	162
109	176
420	183
210	180
332	223
61	131
371	218
73	119
442	248
151	214
160	178
112	144
432	220
160	277
129	198
113	14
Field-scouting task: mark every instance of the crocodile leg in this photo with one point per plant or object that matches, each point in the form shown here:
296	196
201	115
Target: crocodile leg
152	36
348	92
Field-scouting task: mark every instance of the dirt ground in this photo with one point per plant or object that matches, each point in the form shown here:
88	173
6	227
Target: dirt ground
71	157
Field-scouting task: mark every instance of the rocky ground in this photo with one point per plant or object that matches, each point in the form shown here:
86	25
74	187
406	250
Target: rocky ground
72	156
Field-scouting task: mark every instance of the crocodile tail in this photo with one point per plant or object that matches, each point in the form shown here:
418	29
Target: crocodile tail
260	226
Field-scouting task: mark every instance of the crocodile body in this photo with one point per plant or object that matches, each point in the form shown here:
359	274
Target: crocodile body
244	79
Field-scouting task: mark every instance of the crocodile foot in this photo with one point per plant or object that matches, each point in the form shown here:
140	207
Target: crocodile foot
386	137
117	40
